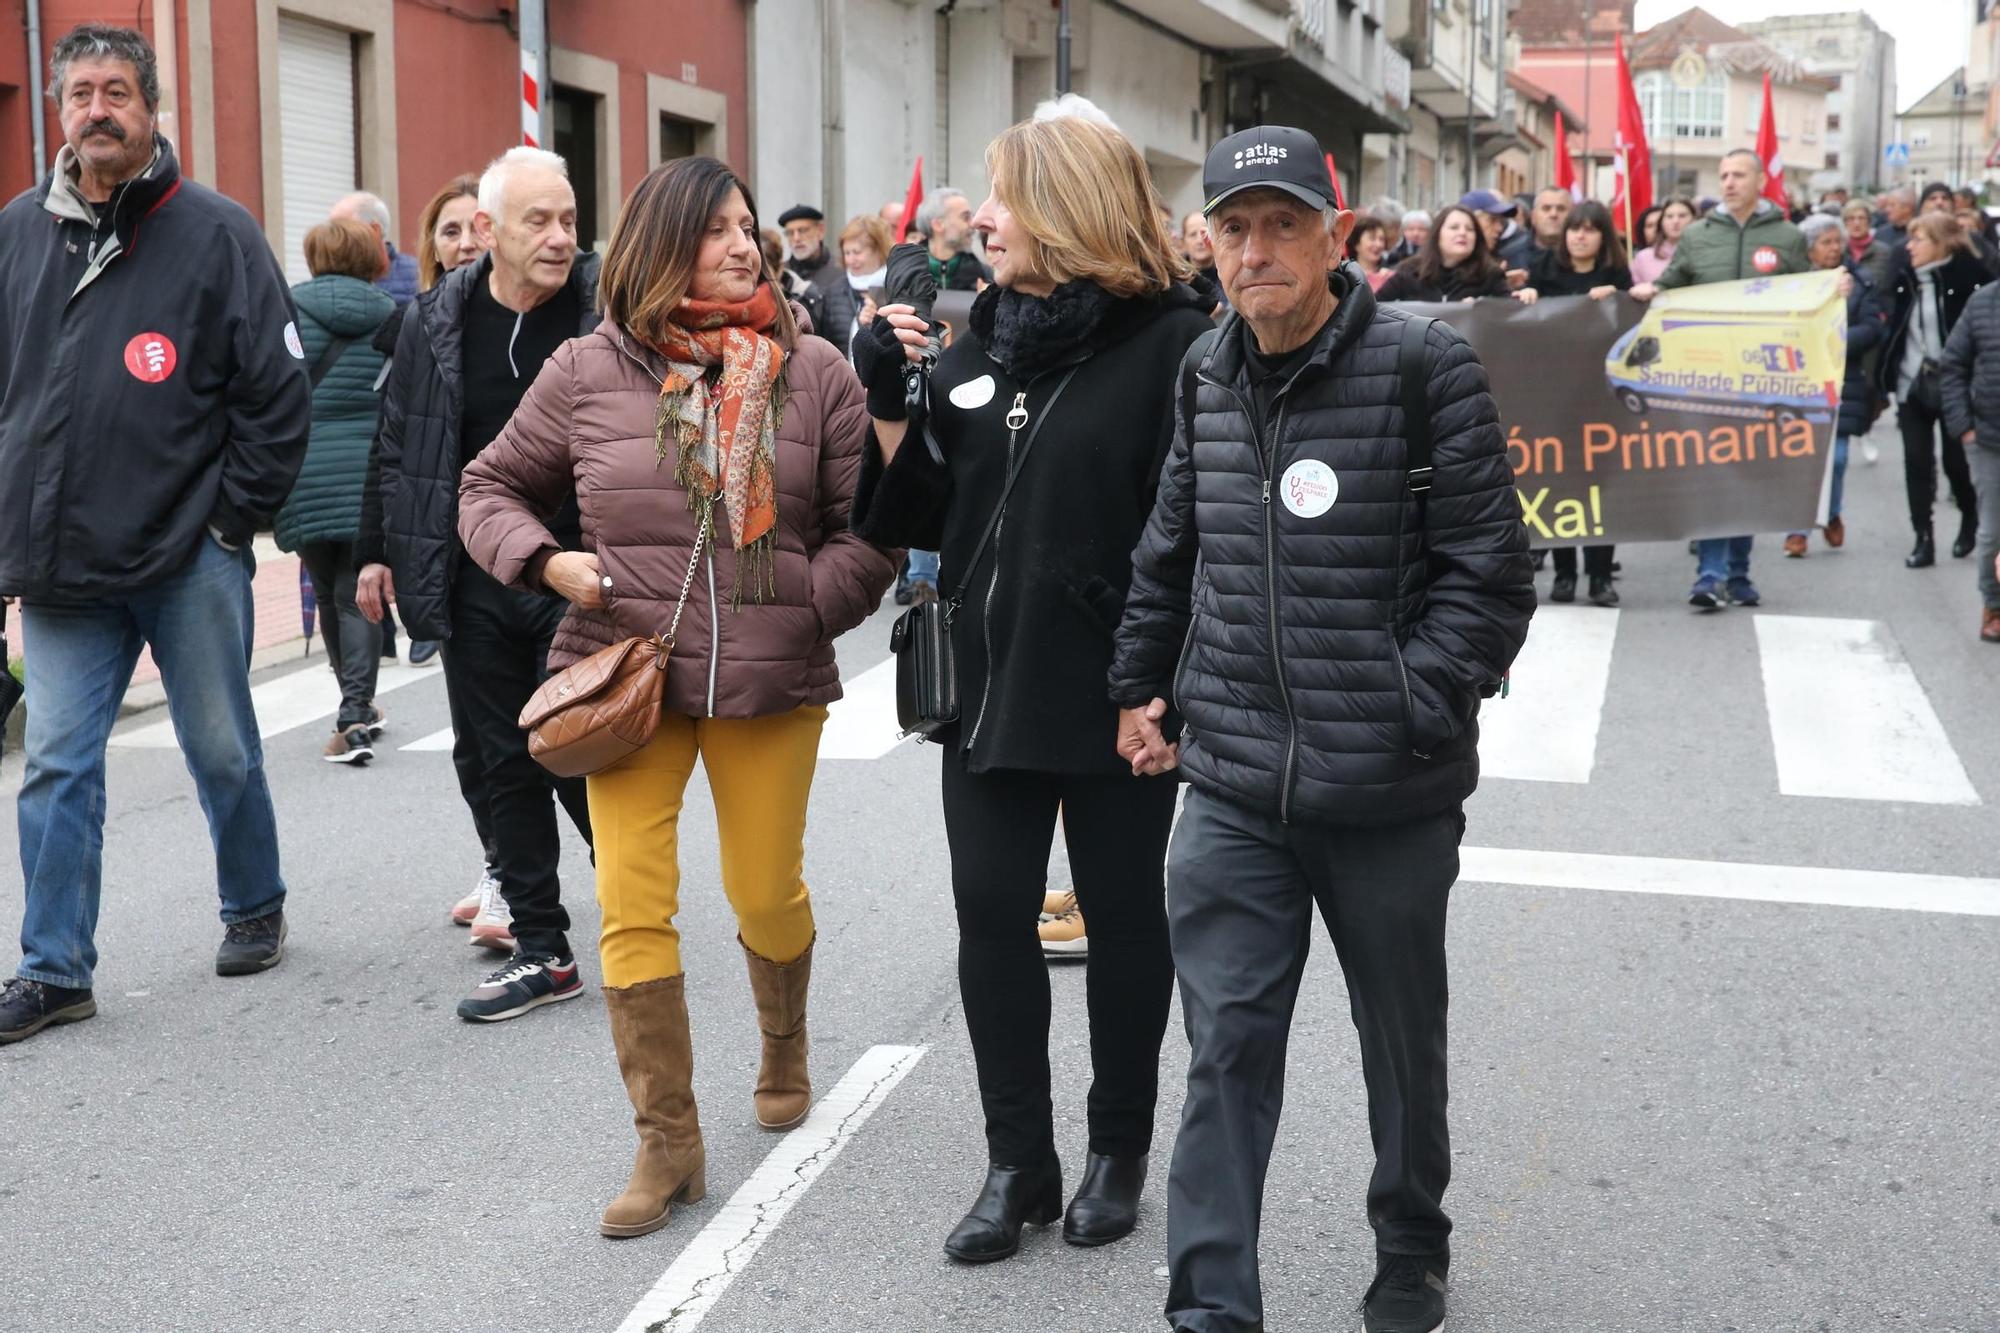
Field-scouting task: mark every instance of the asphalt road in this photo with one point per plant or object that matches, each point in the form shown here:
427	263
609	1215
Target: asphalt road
1669	1111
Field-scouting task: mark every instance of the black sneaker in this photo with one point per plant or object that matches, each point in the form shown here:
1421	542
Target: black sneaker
251	946
528	981
26	1007
1407	1295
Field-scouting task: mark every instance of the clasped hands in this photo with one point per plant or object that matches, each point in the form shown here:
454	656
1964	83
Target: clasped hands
1142	744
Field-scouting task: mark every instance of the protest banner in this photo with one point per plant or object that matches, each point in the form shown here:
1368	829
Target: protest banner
1709	412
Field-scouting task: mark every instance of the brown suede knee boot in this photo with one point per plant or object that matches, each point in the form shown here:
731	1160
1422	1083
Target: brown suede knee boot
784	1091
649	1028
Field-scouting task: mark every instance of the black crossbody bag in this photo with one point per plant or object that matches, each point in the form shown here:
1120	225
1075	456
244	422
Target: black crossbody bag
926	666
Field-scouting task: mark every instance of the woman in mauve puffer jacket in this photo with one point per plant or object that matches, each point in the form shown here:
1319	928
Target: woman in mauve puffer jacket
712	448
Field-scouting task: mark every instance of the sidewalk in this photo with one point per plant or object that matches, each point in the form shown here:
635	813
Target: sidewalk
279	624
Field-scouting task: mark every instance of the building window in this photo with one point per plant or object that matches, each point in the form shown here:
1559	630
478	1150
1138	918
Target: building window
1680	113
1832	122
1832	160
575	115
678	138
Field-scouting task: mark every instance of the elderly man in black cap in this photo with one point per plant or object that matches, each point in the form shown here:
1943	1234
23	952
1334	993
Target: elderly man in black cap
805	236
1354	579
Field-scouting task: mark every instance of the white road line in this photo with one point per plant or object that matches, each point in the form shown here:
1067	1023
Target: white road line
1546	728
862	723
1849	717
718	1255
437	740
1818	886
290	701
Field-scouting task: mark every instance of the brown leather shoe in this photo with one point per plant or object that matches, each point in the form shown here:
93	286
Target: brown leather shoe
1989	625
784	1089
649	1029
1836	532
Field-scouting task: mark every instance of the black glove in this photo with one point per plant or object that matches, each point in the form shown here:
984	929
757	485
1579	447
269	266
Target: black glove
880	361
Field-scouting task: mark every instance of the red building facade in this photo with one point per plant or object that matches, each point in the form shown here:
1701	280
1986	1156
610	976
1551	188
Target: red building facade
285	104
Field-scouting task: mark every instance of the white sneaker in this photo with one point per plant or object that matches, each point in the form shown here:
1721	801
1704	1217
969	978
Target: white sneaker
1869	453
490	927
466	909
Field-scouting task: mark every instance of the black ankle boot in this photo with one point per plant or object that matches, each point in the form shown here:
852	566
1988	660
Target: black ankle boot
1968	537
1601	591
1924	554
1106	1206
1011	1197
1563	588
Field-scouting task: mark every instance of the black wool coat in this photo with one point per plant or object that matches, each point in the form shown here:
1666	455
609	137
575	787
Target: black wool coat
1327	637
1033	637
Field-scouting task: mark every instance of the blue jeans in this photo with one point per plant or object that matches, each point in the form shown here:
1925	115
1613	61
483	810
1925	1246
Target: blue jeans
79	658
1839	479
923	568
1723	558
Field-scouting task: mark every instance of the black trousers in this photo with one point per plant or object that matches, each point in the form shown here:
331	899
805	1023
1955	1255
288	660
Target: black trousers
1596	561
1241	890
1001	827
497	655
1921	433
465	761
353	641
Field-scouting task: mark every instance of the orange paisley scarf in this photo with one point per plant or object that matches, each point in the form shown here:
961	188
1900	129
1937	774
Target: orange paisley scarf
722	427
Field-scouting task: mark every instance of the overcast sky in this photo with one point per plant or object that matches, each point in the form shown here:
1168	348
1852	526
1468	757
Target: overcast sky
1931	35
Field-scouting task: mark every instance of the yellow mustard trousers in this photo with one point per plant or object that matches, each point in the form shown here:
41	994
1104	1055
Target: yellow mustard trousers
760	771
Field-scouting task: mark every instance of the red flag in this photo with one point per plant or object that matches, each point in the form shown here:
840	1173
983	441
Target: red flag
1631	158
1565	169
1339	199
910	201
1767	151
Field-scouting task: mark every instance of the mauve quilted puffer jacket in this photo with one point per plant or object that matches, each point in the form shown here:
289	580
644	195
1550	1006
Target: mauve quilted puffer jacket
588	423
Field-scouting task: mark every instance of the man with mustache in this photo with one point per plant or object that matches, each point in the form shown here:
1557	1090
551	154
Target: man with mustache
154	407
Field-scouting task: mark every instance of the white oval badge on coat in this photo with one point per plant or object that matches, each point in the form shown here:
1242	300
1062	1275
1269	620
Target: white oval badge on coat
1309	488
973	393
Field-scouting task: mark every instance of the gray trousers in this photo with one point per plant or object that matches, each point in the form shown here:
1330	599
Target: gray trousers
1986	482
353	642
1241	890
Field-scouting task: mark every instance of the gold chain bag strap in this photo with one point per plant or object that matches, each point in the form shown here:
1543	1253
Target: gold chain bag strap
605	708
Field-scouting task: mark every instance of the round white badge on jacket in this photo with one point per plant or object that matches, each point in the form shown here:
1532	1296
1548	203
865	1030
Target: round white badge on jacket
1309	488
973	393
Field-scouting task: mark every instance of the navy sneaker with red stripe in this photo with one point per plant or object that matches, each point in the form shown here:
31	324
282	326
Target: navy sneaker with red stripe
527	981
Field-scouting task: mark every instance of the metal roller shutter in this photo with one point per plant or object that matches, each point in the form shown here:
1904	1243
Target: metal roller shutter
316	120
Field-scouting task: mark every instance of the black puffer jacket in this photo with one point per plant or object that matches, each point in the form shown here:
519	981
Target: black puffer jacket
1970	370
1331	673
409	508
1952	285
1047	595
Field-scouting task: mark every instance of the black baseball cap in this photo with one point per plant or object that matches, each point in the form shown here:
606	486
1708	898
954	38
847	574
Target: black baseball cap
1269	157
800	213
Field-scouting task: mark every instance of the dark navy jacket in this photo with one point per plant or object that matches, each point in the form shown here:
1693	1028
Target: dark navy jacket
152	385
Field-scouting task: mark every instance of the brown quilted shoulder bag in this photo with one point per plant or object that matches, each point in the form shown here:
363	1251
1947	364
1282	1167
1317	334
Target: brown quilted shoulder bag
605	708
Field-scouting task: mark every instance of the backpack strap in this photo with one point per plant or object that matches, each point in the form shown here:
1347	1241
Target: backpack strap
1197	352
334	347
1416	403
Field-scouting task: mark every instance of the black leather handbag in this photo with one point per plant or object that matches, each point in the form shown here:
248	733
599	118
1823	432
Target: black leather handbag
926	666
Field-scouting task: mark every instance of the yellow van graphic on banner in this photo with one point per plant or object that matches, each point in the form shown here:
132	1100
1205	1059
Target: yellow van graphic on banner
1767	349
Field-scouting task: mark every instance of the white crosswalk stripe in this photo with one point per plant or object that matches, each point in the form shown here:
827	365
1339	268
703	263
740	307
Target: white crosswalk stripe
1546	728
1849	717
284	704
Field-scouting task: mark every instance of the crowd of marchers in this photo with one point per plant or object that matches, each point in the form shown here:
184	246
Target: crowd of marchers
1203	504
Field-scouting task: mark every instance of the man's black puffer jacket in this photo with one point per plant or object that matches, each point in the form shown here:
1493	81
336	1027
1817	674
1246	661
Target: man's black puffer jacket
1352	695
409	505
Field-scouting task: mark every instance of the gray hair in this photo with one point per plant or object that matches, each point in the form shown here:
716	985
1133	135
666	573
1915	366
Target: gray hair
101	41
366	208
493	183
932	208
1075	106
1416	217
1904	194
1818	225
